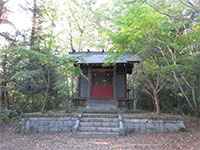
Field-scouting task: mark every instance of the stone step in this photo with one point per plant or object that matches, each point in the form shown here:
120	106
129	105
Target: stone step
98	124
104	124
97	134
88	119
98	129
99	115
93	110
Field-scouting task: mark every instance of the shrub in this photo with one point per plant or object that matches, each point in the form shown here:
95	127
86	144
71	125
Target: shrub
7	116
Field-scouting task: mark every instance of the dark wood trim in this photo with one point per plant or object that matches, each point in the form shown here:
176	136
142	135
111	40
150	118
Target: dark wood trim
103	98
125	80
125	84
89	82
79	86
101	69
114	85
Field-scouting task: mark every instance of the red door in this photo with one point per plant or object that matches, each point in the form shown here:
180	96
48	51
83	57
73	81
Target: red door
102	84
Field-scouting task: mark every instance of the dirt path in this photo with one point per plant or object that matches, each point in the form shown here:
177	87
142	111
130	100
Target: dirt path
170	141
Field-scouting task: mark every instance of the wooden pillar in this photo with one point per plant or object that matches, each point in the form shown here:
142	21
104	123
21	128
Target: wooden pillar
115	85
89	82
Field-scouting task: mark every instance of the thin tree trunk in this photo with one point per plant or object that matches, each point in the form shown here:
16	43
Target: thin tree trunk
157	103
72	90
71	37
134	97
4	92
34	24
153	89
182	90
1	107
47	92
176	78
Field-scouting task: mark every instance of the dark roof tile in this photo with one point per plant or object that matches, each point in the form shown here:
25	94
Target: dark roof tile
101	57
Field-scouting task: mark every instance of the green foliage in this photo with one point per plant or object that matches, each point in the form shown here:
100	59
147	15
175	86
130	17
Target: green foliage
135	28
40	80
167	39
7	116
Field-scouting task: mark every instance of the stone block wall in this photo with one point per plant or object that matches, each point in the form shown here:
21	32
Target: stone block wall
47	124
152	126
130	125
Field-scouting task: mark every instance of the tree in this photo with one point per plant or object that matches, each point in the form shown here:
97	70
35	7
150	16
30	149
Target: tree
135	33
32	70
81	25
168	38
183	50
3	61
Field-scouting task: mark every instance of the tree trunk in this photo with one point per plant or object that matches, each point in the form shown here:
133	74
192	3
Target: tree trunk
157	103
5	100
47	92
135	98
1	107
3	85
33	30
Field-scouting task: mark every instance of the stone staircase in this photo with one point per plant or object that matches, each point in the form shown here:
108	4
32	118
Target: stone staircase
105	124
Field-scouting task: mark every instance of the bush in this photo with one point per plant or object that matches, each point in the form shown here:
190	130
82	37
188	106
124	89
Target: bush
7	116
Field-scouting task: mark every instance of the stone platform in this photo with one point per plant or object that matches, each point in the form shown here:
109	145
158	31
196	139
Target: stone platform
100	124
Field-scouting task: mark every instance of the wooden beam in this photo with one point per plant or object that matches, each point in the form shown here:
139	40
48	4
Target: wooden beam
126	85
115	85
89	82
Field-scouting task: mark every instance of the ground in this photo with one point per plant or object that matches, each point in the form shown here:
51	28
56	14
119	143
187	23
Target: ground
190	140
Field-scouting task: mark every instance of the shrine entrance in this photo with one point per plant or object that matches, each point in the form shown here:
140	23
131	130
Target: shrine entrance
102	84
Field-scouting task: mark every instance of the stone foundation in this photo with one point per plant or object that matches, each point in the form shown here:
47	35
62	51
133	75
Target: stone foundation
123	124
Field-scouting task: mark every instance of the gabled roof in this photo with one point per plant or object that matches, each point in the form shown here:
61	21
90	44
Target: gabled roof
102	57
